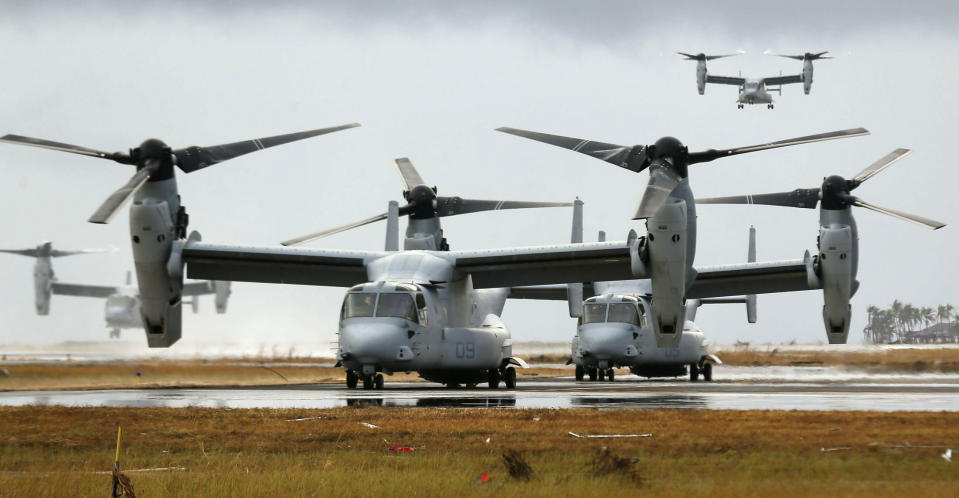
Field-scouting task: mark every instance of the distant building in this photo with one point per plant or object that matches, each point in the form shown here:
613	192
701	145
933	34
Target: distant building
938	333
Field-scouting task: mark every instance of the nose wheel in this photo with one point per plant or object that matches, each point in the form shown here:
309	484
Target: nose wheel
373	381
580	372
769	106
706	370
493	378
509	377
351	379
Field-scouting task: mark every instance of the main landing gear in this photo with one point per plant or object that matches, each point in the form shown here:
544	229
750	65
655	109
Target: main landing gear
739	106
369	381
506	375
595	374
695	369
769	106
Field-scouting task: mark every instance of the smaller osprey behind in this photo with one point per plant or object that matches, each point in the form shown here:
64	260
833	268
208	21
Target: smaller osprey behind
755	90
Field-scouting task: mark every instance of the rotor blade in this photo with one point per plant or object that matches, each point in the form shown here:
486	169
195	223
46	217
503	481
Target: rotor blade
688	56
192	158
22	252
450	206
62	147
657	191
919	220
112	205
881	164
711	154
799	198
711	57
324	233
611	153
797	57
411	177
59	254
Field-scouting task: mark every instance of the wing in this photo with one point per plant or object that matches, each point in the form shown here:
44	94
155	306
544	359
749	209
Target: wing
751	278
541	265
80	290
725	80
198	288
555	292
277	264
782	80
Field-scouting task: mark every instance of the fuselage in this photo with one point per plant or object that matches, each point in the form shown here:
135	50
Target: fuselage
614	332
416	316
754	92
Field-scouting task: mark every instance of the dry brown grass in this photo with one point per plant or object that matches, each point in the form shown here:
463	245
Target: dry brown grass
898	359
53	451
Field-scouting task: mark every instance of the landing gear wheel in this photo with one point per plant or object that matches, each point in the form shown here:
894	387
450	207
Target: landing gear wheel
368	382
509	378
693	372
494	378
602	374
610	375
351	379
708	372
580	372
592	374
378	381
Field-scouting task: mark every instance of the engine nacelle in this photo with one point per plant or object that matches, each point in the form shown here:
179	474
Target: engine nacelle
42	285
153	234
836	272
807	76
667	271
701	77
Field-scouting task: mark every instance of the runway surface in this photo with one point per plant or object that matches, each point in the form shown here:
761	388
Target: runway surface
743	388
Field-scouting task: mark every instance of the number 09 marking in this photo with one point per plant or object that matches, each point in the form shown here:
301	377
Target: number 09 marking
465	350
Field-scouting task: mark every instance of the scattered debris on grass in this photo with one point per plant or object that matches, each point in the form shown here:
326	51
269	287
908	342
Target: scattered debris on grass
838	448
371	426
833	429
606	463
401	449
947	456
607	435
306	418
484	477
516	466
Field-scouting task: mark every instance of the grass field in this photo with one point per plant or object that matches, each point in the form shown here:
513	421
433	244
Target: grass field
53	451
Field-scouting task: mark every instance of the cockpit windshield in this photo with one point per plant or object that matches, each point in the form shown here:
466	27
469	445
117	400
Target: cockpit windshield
358	304
623	313
364	304
396	305
594	312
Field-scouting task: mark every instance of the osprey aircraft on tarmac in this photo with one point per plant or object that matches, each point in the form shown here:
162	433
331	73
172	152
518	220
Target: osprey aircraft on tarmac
755	90
164	254
613	330
122	308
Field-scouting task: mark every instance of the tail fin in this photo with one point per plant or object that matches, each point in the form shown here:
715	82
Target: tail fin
751	258
574	291
222	294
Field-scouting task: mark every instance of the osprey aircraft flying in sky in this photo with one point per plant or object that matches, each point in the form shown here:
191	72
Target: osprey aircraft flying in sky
755	90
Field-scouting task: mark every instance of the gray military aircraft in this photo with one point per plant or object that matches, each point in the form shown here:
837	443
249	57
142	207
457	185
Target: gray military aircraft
838	241
410	317
163	255
755	90
666	254
122	308
612	330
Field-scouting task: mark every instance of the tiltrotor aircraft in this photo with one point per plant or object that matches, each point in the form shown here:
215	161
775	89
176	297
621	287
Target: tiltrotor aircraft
613	330
755	90
163	255
122	308
838	241
157	219
414	314
666	254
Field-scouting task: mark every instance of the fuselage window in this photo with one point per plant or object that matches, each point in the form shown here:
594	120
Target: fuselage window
358	304
396	305
623	313
594	313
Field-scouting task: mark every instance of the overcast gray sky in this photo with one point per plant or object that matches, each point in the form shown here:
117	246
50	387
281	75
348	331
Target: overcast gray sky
431	80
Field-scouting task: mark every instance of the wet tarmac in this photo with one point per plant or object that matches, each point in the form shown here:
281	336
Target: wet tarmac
882	393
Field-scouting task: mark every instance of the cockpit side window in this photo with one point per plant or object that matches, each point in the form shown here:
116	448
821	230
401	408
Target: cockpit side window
358	304
398	305
594	312
623	313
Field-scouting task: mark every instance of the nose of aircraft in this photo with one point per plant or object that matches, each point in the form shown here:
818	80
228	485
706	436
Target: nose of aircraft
374	341
606	341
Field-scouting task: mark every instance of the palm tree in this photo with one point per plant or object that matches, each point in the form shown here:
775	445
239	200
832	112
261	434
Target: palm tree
928	315
896	309
942	314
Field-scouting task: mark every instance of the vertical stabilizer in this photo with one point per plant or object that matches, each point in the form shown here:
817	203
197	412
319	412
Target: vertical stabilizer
574	291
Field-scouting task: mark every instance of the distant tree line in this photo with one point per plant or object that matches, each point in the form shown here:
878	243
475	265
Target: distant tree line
905	323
